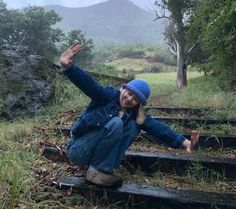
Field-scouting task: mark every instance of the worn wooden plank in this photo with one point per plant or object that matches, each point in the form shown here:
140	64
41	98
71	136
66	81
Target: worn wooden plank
193	122
178	163
132	195
167	162
204	141
178	109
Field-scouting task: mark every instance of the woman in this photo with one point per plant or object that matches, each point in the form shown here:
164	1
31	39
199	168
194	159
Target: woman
110	123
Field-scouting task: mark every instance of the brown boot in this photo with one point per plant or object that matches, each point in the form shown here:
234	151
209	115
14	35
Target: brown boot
102	179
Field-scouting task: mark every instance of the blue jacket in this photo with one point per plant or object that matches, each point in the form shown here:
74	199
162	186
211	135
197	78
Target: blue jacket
105	104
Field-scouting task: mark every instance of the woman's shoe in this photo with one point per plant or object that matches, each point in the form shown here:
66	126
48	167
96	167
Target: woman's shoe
101	178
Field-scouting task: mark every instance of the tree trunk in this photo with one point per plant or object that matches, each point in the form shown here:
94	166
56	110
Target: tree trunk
181	80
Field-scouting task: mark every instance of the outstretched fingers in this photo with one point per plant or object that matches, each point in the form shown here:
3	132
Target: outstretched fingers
76	48
194	137
72	50
189	144
72	46
66	56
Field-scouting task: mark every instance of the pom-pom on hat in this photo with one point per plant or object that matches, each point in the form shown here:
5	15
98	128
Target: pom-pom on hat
140	88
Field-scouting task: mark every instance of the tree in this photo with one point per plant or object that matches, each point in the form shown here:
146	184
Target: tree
213	23
85	57
177	12
4	33
32	27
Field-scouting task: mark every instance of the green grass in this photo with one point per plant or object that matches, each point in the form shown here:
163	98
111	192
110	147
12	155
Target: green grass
205	92
16	174
138	64
201	91
164	83
196	177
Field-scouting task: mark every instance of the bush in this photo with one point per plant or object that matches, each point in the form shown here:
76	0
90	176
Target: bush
131	52
213	25
106	69
152	69
220	39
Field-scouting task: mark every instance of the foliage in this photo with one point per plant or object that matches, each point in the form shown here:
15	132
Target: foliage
131	51
105	53
219	39
141	57
164	59
106	69
85	57
40	35
177	13
32	27
213	24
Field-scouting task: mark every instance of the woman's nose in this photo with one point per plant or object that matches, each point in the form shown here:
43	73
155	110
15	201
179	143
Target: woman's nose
130	98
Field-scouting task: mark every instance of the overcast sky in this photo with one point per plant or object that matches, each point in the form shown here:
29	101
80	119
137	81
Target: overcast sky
17	4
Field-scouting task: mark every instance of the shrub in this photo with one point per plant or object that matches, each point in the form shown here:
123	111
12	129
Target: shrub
131	52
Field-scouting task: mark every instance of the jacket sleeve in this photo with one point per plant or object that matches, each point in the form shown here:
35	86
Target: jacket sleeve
85	82
162	132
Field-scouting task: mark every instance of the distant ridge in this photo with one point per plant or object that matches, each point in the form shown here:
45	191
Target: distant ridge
112	21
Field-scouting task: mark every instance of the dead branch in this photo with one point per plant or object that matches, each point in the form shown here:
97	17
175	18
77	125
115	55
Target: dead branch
192	47
173	47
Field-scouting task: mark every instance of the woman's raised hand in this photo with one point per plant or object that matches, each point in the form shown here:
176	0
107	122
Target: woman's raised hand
66	56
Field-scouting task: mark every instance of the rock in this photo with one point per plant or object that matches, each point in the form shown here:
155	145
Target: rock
25	82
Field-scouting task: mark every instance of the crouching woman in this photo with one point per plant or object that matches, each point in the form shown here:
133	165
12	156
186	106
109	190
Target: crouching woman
110	123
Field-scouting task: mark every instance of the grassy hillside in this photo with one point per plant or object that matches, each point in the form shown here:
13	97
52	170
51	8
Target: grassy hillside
136	57
128	64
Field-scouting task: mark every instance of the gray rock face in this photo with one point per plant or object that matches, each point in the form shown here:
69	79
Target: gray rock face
24	82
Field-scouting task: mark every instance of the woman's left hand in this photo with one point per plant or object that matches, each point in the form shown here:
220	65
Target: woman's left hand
66	56
189	144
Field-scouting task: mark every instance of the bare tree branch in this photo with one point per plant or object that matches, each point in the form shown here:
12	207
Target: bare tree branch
173	52
191	48
159	17
23	38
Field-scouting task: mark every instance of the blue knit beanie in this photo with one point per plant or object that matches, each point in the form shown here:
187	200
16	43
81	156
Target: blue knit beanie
140	88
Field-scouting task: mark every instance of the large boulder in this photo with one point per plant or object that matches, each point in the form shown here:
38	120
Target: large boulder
25	82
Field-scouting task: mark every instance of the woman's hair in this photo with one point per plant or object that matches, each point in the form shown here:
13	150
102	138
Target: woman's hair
140	110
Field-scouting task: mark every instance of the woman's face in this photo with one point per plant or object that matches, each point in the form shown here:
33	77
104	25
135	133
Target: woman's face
128	99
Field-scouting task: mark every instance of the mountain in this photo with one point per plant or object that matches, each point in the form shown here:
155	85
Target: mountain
112	21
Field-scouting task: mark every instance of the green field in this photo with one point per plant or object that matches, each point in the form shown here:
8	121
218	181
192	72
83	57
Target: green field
202	91
138	64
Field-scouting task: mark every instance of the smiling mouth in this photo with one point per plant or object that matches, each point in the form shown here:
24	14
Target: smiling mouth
127	103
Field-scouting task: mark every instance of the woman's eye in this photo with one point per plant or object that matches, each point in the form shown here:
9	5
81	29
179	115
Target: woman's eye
130	94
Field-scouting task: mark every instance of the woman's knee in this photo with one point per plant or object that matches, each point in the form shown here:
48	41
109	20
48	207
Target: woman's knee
78	156
114	126
132	128
77	152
